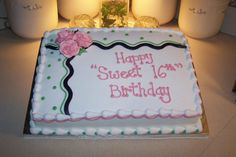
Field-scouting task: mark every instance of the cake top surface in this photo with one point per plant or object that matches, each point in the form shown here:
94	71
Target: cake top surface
123	73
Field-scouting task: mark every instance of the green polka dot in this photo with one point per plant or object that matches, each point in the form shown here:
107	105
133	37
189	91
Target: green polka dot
135	132
84	133
96	133
150	31
59	59
51	52
42	98
49	77
51	40
88	32
113	31
109	133
105	38
126	34
122	133
54	108
141	38
170	35
54	87
49	65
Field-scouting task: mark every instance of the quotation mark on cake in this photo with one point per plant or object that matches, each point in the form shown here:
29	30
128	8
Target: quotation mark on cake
93	66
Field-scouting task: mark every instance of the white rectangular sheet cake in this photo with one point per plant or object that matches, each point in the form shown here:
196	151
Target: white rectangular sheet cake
113	82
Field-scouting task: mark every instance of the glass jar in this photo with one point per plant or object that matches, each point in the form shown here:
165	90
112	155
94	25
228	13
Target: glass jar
114	13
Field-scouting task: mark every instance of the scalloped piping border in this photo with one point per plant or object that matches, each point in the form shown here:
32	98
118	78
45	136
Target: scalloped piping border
120	114
162	113
112	131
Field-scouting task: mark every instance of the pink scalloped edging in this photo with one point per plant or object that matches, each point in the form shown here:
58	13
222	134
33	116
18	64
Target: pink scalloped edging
115	116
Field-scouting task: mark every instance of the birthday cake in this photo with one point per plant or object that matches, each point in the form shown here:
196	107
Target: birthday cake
115	82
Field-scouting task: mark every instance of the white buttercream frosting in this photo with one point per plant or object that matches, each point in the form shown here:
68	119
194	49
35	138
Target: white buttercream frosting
166	130
154	130
76	132
62	117
123	113
47	131
137	113
102	132
146	110
90	131
107	114
179	130
75	116
142	131
116	131
49	116
129	131
61	131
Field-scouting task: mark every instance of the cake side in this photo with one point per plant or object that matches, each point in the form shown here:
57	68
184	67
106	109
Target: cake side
150	106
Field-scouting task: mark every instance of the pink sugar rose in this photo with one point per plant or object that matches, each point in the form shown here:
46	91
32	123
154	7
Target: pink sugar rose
69	48
64	35
82	39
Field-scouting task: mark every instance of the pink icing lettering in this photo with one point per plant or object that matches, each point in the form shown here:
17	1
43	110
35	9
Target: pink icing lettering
105	74
115	92
178	65
142	91
132	89
125	91
151	90
164	94
161	71
101	70
124	74
114	75
137	90
157	72
120	59
170	67
135	72
150	59
154	71
134	59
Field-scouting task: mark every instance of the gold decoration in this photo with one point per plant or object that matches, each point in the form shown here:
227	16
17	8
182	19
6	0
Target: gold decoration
146	22
82	20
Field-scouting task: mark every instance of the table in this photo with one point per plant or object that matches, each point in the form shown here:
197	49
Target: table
215	64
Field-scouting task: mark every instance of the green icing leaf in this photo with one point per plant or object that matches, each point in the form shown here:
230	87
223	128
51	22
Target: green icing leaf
81	51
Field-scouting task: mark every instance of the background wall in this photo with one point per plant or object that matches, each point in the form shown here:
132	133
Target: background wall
2	14
228	26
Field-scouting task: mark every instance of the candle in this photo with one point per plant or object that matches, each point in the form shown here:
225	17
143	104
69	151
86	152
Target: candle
202	18
71	8
162	10
30	19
